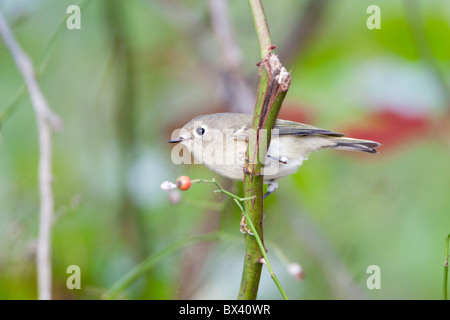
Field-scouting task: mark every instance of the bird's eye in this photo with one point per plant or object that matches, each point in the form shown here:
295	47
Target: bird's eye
200	131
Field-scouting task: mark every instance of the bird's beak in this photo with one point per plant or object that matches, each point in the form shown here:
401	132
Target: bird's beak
179	139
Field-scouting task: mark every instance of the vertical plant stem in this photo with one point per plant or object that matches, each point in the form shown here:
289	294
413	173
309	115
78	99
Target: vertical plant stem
253	183
46	120
251	273
261	26
238	201
274	82
44	263
263	251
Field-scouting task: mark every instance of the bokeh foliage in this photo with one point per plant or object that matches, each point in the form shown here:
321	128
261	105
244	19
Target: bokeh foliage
139	69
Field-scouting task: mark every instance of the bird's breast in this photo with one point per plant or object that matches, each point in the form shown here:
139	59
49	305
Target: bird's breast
285	155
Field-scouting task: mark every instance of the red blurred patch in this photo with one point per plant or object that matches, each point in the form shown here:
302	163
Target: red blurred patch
389	128
296	112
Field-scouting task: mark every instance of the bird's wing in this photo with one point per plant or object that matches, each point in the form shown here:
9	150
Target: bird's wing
286	127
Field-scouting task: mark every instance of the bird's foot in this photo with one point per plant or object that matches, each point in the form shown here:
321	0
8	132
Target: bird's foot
271	187
282	160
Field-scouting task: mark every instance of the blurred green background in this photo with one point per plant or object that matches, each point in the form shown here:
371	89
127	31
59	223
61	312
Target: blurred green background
138	69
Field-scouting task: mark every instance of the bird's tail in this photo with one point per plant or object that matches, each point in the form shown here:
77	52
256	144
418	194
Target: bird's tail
343	143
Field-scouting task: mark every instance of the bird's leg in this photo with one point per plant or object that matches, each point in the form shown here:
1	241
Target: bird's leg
282	160
271	187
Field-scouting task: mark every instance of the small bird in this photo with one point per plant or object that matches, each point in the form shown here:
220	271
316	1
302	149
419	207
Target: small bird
220	140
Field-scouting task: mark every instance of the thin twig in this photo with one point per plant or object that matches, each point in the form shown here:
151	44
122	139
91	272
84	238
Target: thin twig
221	189
14	104
254	231
46	120
263	250
148	263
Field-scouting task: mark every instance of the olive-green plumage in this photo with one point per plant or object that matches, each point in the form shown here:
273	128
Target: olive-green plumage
219	141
